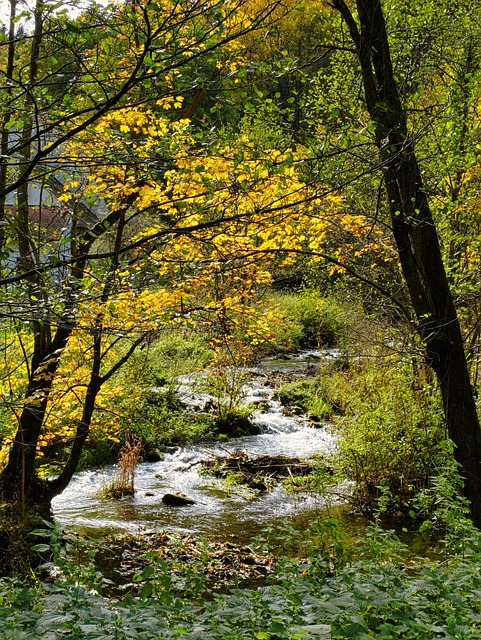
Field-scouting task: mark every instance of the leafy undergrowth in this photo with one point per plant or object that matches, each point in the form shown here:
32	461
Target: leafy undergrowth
363	600
335	588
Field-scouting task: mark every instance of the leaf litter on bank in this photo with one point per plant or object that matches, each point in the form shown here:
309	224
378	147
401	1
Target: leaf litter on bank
221	563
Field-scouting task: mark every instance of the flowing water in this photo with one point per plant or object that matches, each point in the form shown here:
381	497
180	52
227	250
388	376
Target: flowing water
219	510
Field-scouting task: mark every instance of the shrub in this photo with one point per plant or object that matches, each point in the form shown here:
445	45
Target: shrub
164	361
320	398
98	451
151	409
308	320
159	419
390	434
390	427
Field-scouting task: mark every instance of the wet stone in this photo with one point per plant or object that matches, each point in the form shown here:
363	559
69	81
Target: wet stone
176	500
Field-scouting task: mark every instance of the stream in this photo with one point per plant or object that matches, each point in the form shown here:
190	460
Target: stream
219	511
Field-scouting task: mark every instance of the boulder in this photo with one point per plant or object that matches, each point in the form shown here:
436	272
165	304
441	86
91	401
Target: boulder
176	500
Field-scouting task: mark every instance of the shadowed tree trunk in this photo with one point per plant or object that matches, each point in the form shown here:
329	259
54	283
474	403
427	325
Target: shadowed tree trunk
417	241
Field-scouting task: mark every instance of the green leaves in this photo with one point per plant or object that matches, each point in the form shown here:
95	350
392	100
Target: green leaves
146	573
41	548
364	601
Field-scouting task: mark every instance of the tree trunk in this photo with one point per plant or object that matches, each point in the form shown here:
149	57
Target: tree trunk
18	480
417	242
5	133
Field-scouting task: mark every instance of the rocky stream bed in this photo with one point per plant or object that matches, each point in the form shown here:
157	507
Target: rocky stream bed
233	487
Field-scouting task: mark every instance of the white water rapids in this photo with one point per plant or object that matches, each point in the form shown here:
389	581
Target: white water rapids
218	509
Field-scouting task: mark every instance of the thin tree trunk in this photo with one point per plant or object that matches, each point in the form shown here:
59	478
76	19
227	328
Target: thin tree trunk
56	486
5	134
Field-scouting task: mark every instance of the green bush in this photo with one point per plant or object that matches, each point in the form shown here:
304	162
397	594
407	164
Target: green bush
159	419
171	356
154	413
390	434
320	398
98	451
390	427
309	320
234	423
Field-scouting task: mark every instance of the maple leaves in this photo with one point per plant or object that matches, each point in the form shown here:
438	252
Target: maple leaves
209	226
209	205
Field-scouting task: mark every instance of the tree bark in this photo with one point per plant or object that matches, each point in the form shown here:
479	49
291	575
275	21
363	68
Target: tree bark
417	241
18	480
5	133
